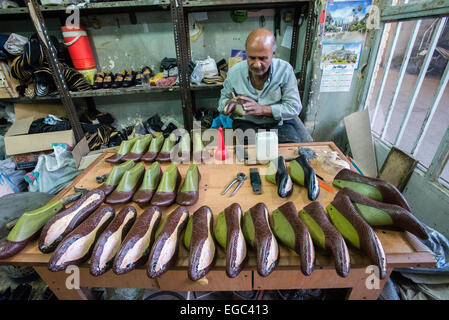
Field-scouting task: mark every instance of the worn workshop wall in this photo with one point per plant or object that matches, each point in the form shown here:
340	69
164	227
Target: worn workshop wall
221	35
119	44
325	111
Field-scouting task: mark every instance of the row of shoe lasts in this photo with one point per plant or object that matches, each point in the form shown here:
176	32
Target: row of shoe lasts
123	78
128	181
151	148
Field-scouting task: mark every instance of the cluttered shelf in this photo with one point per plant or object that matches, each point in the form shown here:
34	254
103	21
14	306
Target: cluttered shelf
227	4
116	92
94	7
140	5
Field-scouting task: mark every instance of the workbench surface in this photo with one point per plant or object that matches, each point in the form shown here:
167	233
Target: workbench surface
402	248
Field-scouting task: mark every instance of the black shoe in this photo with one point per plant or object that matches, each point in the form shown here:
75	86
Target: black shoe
99	79
130	79
139	77
147	73
108	80
119	77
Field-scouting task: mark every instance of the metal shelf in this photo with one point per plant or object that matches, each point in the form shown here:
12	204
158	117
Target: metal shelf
96	7
216	5
151	5
115	92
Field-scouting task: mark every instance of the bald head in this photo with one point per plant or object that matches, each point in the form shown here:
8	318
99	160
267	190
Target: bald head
261	38
260	49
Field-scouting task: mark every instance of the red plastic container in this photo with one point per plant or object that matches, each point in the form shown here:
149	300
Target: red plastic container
79	48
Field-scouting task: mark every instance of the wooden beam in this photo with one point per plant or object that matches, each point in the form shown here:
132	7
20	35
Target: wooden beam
423	9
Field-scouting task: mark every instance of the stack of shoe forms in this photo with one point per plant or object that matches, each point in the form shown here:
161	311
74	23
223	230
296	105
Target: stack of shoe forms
122	241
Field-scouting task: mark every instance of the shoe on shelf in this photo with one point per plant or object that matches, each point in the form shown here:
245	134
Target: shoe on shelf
147	73
119	77
108	79
139	77
98	82
130	79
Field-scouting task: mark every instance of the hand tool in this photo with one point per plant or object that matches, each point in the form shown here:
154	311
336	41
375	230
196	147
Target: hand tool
241	177
101	179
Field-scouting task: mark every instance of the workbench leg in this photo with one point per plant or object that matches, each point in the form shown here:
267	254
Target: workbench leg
56	282
361	292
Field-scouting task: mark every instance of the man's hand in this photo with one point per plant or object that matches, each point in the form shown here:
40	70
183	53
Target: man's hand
253	108
226	110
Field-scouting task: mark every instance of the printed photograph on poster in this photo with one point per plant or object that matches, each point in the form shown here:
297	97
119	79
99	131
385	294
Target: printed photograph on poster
347	53
346	20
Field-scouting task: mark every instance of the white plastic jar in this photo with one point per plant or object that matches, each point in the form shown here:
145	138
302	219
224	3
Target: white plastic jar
266	145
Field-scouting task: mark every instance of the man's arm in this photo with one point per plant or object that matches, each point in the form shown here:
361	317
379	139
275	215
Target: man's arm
290	105
226	94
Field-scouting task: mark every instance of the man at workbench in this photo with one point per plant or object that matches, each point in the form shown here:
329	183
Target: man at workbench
267	89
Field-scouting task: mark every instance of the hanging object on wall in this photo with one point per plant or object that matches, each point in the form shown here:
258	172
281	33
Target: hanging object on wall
344	28
336	78
239	16
288	16
196	31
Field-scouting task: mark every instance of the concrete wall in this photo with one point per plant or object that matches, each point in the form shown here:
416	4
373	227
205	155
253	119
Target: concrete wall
324	113
119	44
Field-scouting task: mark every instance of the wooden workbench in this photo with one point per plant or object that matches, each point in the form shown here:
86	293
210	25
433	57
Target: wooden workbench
402	248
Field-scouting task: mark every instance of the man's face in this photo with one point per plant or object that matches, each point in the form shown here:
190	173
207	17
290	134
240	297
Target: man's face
259	58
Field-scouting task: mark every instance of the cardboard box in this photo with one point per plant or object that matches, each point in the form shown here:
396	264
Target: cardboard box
27	160
17	139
